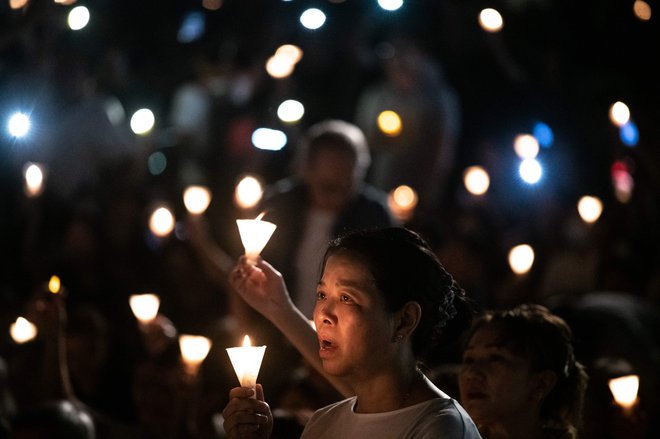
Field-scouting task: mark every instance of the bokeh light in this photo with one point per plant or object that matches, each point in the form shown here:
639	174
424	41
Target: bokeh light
402	201
622	181
269	139
530	171
212	5
543	134
192	27
312	18
18	124
526	146
144	306
629	134
619	113
142	121
248	192
17	4
194	348
290	52
197	199
54	284
65	2
491	20
476	180
22	330
521	258
624	390
157	163
279	67
161	222
33	176
290	111
389	123
642	10
78	18
590	208
390	5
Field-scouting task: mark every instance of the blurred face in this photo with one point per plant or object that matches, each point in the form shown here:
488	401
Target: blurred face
331	179
495	384
354	329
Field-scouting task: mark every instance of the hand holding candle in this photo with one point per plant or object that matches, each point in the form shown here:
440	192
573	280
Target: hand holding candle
246	361
255	235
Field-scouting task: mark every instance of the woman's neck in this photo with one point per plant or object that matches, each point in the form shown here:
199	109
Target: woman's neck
391	392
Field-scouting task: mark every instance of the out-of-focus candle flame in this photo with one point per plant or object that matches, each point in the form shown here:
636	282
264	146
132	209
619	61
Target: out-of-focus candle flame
144	306
161	222
491	20
402	202
54	284
197	199
624	389
526	146
194	349
17	4
290	52
476	180
246	361
34	179
389	122
248	192
590	209
22	330
642	10
521	258
619	113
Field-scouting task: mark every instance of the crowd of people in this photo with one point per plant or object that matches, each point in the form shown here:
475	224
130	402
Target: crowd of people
375	324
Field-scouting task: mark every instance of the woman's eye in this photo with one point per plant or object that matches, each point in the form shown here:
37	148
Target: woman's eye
320	295
346	299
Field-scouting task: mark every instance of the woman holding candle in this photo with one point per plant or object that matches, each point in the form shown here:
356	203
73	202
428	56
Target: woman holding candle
383	303
519	377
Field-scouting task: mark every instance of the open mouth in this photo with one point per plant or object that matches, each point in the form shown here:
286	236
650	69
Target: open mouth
325	344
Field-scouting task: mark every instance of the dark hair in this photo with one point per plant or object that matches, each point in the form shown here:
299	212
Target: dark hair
336	135
536	333
405	269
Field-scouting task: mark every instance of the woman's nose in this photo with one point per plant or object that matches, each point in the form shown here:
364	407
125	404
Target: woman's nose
324	313
471	371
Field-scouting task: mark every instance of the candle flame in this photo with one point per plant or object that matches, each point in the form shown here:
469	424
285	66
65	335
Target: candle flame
246	341
54	284
261	215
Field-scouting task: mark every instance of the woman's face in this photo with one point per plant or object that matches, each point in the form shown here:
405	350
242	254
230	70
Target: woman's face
355	331
494	382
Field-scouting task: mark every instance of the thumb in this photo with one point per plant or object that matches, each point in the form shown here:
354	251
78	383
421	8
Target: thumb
260	393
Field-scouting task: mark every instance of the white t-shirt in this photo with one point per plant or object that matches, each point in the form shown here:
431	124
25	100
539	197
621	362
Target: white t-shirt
437	418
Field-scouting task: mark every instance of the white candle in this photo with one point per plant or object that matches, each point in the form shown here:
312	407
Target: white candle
194	349
624	389
246	361
22	330
255	234
144	306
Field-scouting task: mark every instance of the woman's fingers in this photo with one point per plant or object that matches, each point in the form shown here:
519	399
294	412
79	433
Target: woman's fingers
244	415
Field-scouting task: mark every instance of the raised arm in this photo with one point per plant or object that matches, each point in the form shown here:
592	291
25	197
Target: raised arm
263	288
